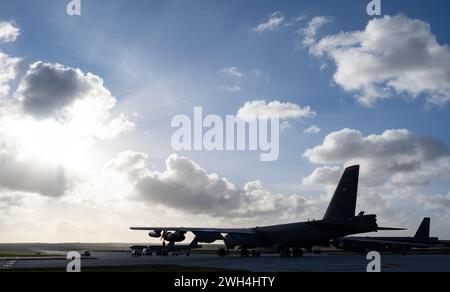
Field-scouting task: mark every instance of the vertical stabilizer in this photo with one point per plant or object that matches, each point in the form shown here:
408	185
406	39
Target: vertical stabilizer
424	230
343	204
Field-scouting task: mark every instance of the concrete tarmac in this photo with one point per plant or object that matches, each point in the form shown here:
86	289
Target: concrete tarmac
267	263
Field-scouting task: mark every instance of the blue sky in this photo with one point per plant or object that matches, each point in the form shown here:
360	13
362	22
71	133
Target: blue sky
162	58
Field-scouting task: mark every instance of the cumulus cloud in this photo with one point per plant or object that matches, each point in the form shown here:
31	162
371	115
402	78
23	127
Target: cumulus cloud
187	187
55	114
397	157
314	129
8	32
382	203
395	165
8	65
437	202
8	201
392	56
8	72
284	110
310	31
133	164
49	89
274	22
28	174
326	176
71	98
18	171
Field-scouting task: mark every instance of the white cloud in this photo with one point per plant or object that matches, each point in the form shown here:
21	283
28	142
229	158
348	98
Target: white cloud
285	125
231	72
185	186
8	32
294	20
134	164
20	171
8	65
314	129
325	176
438	201
50	89
75	99
396	157
376	200
263	109
394	167
233	88
437	205
310	31
8	72
274	22
392	56
46	128
259	75
8	201
381	202
235	78
30	174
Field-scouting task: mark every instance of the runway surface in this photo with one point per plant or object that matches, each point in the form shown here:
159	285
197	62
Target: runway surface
310	263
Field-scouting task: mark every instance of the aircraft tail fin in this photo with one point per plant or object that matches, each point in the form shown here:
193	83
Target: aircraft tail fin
343	204
424	229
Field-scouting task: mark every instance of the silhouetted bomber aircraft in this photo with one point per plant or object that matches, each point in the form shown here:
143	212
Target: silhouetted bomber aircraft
421	240
339	221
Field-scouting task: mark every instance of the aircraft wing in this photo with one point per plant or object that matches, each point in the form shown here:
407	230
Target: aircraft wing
196	230
391	229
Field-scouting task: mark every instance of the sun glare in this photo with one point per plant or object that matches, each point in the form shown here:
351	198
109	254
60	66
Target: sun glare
51	142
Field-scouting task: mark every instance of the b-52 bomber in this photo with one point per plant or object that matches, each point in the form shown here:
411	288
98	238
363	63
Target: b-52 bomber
421	240
287	239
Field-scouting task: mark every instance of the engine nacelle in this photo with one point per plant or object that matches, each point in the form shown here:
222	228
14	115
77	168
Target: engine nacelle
155	233
175	236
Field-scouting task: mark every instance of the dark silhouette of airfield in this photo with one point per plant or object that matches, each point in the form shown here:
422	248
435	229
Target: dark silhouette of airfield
289	239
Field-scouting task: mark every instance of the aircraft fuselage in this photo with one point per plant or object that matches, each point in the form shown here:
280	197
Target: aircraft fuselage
303	234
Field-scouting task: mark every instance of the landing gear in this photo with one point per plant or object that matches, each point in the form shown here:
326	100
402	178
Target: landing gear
285	252
245	253
222	252
256	254
297	252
